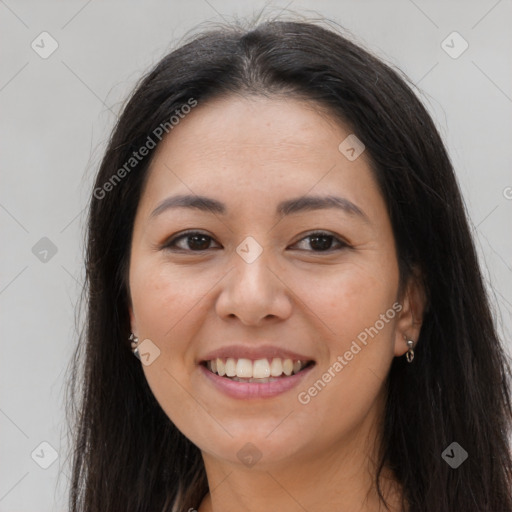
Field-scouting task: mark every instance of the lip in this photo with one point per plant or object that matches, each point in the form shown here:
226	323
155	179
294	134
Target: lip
253	353
252	390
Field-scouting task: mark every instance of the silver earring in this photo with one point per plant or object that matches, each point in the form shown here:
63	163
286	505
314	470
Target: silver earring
410	353
135	349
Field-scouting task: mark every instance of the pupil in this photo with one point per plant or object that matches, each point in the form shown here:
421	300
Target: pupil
327	239
195	239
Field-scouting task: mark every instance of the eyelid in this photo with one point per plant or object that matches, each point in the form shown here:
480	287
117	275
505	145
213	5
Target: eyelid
168	244
183	234
320	232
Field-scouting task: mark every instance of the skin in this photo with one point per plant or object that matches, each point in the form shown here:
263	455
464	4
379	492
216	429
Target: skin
251	153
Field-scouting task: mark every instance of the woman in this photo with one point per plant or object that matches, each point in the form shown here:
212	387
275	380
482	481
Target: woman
276	233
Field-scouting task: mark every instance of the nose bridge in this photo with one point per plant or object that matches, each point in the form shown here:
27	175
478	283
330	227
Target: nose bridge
252	266
252	291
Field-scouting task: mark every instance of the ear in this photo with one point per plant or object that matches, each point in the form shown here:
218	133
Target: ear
410	318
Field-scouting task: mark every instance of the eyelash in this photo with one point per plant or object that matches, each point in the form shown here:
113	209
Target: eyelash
171	244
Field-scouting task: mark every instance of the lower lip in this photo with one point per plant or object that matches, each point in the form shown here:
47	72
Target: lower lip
245	390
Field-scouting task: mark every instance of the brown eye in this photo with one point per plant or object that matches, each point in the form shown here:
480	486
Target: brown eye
193	241
323	242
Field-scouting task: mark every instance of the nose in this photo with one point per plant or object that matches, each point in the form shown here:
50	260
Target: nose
254	292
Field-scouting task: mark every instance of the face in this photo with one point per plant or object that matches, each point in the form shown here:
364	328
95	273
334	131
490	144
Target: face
257	280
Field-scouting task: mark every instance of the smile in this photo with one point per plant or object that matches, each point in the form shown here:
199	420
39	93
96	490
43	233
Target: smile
260	370
261	378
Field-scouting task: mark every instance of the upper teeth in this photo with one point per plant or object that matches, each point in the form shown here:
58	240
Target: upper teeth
259	369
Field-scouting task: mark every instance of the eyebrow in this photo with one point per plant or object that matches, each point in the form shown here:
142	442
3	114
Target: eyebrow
290	206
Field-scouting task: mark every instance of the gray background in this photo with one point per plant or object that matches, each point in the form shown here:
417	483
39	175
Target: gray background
57	113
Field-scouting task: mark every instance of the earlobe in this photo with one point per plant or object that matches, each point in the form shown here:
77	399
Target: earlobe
410	319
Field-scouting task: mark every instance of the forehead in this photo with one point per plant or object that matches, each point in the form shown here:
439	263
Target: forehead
257	148
283	127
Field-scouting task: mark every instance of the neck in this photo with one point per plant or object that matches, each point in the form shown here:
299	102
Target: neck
341	477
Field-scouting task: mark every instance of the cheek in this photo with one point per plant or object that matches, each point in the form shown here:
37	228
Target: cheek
351	299
165	303
357	318
162	299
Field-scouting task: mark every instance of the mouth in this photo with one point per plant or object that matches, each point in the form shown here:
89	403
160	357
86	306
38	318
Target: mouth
260	371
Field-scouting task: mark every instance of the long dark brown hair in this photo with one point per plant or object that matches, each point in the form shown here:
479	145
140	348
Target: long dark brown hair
127	455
